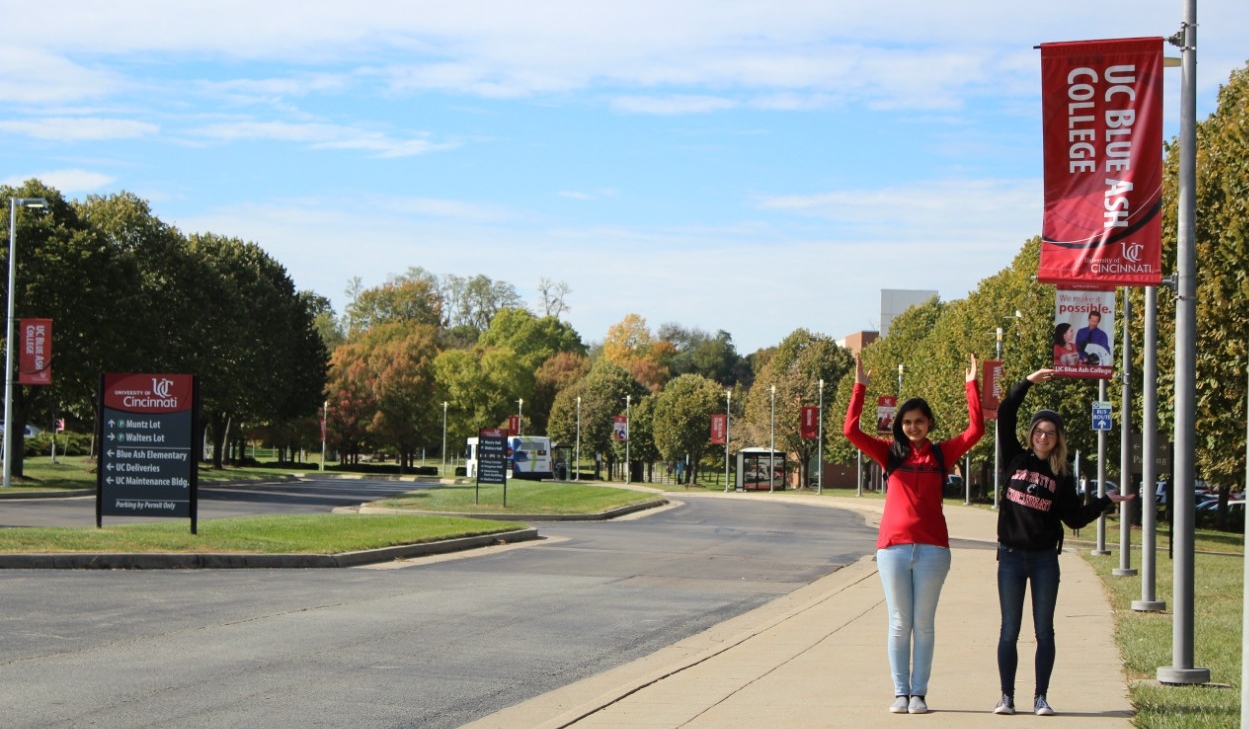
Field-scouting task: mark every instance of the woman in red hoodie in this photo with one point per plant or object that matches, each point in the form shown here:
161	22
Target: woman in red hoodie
913	547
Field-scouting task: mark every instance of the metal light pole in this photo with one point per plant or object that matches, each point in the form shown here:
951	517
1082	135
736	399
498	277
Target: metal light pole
772	446
1182	670
577	468
819	446
1125	452
520	415
628	402
1149	436
997	439
444	438
900	367
14	204
1100	548
728	418
325	416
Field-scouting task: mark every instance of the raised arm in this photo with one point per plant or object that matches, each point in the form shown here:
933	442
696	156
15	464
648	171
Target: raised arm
954	448
875	448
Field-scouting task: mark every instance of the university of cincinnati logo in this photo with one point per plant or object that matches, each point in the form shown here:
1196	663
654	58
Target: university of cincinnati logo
1132	251
161	387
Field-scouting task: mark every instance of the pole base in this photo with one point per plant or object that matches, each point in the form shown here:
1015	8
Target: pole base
1122	572
1173	676
1148	606
1099	552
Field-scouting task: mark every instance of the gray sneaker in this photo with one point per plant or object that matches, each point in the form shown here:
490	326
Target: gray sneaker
917	705
1005	706
1042	707
900	705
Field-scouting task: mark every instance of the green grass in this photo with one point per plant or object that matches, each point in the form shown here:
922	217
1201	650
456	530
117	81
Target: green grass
523	497
78	472
303	534
1145	642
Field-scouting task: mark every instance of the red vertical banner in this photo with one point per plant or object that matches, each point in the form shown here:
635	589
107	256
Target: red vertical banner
620	428
34	365
991	388
513	424
1101	109
809	429
719	429
886	407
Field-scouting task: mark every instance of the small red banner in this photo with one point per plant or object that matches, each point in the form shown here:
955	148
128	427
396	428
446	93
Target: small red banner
886	406
34	366
513	424
991	388
620	428
719	429
1101	106
810	426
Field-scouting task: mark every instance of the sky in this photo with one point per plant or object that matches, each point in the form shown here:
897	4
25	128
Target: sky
752	166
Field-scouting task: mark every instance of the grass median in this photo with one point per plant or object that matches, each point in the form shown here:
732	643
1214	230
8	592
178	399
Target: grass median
297	534
1145	642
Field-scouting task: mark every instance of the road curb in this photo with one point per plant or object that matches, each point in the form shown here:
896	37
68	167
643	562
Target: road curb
601	516
124	561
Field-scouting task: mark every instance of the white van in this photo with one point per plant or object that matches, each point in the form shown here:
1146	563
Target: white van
528	456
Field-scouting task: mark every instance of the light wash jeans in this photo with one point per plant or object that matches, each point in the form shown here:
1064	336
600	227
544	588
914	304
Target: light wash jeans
912	575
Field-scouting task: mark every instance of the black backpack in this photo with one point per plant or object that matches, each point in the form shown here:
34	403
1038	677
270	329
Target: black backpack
893	461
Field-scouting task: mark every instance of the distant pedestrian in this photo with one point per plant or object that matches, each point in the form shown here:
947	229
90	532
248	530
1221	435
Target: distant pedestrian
913	545
1040	497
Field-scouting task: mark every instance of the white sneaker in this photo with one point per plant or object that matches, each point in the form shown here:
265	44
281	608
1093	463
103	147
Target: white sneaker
1042	707
1005	706
917	705
900	705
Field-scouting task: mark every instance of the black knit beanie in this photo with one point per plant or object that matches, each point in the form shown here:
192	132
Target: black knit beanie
1049	415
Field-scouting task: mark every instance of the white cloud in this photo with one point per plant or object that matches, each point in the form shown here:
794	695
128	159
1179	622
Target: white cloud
318	136
77	129
687	104
70	182
37	76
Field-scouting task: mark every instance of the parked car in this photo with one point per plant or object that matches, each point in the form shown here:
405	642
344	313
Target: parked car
31	431
1091	485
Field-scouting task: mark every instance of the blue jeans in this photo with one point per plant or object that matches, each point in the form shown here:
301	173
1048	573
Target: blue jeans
912	575
1015	568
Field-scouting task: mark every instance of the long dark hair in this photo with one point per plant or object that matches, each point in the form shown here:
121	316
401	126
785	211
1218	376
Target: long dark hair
1060	334
901	447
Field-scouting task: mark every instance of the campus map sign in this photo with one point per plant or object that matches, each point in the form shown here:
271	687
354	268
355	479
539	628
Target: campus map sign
147	464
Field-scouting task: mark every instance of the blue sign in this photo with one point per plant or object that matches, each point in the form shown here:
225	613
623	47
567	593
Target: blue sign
1101	416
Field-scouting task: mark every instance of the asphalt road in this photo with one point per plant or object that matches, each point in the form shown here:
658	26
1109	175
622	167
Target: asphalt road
433	643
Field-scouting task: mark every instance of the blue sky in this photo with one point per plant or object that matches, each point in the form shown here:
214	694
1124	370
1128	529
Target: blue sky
742	165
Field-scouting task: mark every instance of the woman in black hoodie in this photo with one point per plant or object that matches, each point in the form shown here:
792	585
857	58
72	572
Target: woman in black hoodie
1040	497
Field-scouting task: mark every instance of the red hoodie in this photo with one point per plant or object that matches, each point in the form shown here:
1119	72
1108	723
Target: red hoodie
913	495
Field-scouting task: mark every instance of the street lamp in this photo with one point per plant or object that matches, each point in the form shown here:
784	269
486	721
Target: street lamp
444	438
900	367
772	445
520	415
819	446
728	418
14	204
325	414
628	401
577	466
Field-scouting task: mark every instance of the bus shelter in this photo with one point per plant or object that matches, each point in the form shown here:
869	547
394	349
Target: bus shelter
760	468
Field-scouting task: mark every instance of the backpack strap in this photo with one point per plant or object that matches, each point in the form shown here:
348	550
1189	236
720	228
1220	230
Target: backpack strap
892	461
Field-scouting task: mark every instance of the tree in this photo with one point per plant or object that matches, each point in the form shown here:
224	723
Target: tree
553	377
482	386
400	369
795	370
682	417
553	293
629	345
697	352
412	298
473	302
602	394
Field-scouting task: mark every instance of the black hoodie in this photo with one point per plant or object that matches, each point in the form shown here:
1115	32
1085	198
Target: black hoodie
1036	503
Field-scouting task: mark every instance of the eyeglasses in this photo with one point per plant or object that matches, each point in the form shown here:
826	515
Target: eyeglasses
1046	433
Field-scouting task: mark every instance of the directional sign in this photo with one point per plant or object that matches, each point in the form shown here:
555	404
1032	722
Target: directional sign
147	466
1101	415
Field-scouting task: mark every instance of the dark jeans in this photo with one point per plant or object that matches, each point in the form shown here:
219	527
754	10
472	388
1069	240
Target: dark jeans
1015	569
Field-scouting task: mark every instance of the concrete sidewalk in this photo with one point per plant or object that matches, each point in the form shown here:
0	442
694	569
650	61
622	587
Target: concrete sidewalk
816	657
